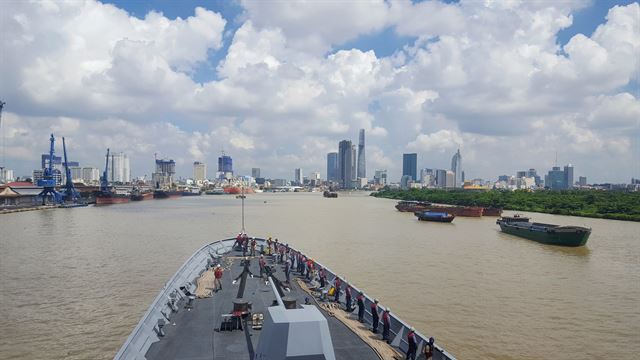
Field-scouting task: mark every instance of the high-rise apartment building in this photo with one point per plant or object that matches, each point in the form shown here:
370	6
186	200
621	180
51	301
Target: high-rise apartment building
568	176
362	166
456	168
582	181
225	167
346	164
163	177
118	170
297	176
450	181
90	175
332	166
199	171
380	177
426	176
410	165
441	178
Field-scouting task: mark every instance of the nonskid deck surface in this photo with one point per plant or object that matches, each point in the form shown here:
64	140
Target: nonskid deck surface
195	334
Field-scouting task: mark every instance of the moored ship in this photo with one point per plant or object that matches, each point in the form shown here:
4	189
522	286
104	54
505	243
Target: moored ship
434	216
166	194
110	197
572	236
412	206
237	190
491	211
139	195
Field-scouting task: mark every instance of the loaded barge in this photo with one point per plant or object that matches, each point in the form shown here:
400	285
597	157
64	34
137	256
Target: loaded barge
544	233
259	315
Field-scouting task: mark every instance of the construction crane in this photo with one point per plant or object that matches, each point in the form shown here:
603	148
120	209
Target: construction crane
70	192
104	182
48	182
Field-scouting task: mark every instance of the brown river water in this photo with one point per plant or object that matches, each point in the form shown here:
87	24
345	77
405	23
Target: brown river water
75	282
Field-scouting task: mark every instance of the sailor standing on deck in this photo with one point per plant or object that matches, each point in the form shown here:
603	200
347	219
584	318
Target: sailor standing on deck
217	275
428	349
413	346
375	316
360	300
337	284
253	246
287	270
386	325
347	294
262	263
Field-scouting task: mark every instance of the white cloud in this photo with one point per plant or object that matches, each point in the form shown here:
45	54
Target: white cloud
488	76
441	141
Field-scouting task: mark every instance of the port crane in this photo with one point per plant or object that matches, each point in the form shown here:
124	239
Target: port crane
48	181
104	181
70	192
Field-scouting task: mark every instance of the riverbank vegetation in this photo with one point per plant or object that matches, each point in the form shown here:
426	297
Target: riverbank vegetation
588	203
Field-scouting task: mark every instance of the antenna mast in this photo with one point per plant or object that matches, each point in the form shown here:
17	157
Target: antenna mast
4	139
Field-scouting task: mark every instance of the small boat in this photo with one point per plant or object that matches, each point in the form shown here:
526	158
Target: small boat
330	194
215	191
434	216
544	233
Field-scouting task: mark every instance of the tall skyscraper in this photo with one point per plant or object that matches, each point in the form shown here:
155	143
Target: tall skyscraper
255	173
118	169
450	181
568	176
332	166
362	166
225	166
426	176
346	164
554	180
456	168
297	174
199	171
410	165
163	177
441	178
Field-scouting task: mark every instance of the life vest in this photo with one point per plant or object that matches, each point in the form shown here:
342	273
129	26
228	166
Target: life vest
385	318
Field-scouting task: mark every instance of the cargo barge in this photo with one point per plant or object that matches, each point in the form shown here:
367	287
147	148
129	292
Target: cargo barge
550	234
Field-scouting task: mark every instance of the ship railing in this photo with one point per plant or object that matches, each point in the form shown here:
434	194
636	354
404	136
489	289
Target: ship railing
398	328
147	331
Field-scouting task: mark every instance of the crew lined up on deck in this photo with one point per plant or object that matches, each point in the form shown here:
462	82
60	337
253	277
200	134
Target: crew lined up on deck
308	269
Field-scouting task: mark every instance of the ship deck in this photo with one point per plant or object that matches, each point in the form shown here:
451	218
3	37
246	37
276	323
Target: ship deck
194	334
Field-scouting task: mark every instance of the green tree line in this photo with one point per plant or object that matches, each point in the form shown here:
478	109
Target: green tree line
617	205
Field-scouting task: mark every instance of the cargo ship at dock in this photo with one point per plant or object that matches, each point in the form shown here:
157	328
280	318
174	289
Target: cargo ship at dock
110	197
550	234
166	194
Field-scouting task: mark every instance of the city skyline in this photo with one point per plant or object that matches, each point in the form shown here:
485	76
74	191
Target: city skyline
425	78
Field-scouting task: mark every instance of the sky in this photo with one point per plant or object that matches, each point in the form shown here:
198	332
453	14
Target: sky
277	84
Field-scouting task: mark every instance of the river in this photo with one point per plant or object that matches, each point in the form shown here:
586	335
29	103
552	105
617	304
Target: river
75	282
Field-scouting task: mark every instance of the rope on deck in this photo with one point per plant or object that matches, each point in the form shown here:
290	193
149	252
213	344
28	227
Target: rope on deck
381	348
205	284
